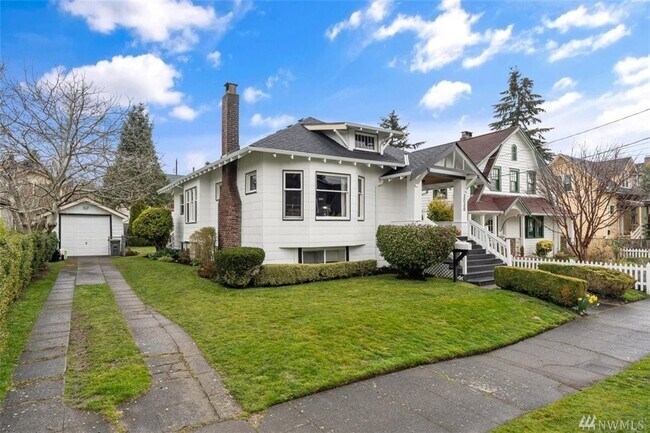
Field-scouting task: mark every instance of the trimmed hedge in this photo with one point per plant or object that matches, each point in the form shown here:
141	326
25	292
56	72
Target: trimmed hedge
21	257
605	282
413	248
558	289
285	275
236	267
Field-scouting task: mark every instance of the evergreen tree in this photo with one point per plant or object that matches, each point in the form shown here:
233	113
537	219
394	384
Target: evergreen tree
520	106
392	122
136	174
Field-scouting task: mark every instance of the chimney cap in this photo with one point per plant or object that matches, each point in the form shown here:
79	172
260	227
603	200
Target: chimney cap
231	87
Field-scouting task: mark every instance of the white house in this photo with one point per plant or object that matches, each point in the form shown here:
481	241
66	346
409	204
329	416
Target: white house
87	228
511	206
314	192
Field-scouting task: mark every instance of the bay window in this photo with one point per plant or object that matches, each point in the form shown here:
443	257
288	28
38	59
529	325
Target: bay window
361	198
292	188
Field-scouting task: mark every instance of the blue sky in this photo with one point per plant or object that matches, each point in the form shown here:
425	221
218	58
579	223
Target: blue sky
440	65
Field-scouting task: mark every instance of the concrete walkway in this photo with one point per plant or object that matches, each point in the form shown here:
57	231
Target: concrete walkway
36	402
477	393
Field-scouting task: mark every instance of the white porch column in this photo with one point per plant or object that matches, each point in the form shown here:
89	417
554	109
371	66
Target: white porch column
414	200
522	227
460	206
495	225
481	220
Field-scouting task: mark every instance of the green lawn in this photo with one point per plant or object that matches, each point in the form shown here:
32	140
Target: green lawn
275	344
632	295
21	318
622	397
105	368
143	250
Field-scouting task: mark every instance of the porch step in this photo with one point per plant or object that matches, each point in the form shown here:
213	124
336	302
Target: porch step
480	265
479	281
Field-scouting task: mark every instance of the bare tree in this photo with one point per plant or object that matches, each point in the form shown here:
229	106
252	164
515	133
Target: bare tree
57	137
581	190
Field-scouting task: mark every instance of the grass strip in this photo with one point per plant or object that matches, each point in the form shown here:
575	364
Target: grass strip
619	403
20	320
105	367
275	344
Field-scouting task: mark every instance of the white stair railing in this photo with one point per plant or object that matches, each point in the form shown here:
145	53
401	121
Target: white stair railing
638	232
492	244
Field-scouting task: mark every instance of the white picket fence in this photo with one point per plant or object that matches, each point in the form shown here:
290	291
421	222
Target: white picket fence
639	272
630	253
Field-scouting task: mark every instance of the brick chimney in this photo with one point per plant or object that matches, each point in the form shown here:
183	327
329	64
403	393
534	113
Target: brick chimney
230	120
464	135
229	230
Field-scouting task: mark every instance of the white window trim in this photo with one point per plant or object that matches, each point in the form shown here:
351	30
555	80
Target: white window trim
346	192
181	203
191	205
217	191
361	198
247	176
374	149
302	195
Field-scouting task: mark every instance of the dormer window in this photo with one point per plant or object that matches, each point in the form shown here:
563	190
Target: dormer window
365	142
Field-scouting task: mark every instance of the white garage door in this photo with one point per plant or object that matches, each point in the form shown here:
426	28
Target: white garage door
85	235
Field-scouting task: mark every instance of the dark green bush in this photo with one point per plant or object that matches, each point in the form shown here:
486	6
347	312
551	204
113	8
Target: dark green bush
285	275
413	248
236	267
603	281
155	225
558	289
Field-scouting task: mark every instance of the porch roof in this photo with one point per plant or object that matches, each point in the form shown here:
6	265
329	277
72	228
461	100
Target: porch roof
494	203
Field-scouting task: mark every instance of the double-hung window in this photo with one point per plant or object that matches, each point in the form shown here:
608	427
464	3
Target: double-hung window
251	182
514	180
531	184
292	195
534	227
495	178
191	205
332	196
568	182
514	152
182	203
361	198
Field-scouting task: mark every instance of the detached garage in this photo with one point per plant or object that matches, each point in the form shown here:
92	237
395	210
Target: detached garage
87	228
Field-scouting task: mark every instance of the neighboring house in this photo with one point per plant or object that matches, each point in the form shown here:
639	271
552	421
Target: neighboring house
314	192
511	207
630	203
87	228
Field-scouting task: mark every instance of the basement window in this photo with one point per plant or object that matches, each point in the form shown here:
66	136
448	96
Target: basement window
324	255
365	141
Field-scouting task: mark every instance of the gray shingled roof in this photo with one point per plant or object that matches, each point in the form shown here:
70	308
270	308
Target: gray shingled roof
297	138
421	160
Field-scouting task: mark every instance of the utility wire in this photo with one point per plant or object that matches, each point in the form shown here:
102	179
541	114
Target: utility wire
597	127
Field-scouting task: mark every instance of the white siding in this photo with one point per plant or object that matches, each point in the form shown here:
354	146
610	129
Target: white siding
207	209
526	161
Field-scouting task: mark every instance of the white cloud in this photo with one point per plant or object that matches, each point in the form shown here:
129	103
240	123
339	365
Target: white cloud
633	70
214	58
283	77
588	45
376	11
183	112
444	94
272	122
252	95
144	78
445	38
173	23
498	40
564	83
563	101
600	15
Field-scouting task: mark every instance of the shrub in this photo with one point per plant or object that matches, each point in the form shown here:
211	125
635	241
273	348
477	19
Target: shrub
543	247
558	289
440	210
134	212
166	252
413	248
600	251
154	225
236	267
203	243
285	275
605	282
129	253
